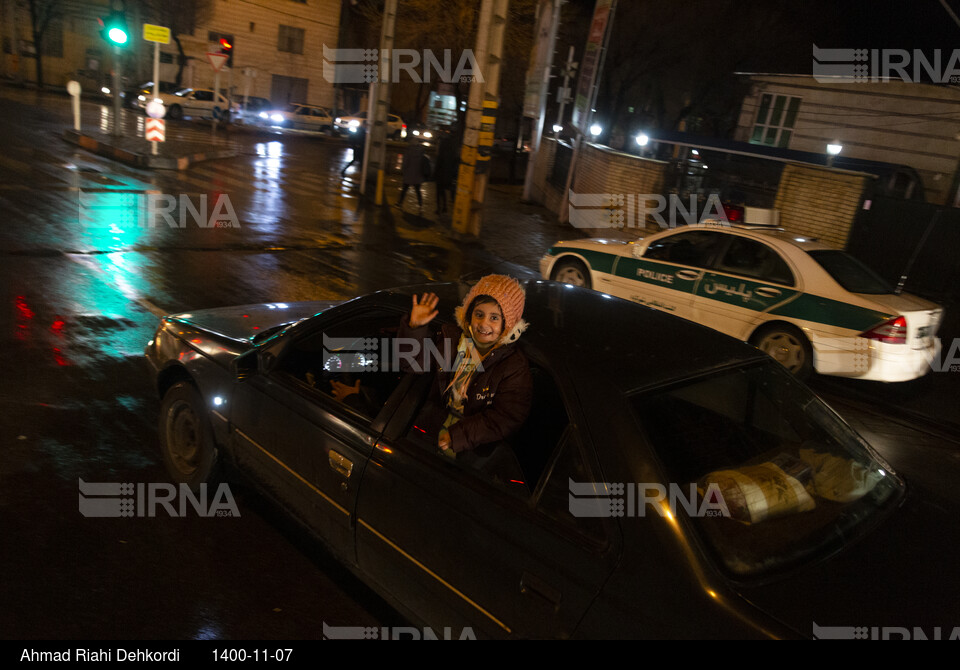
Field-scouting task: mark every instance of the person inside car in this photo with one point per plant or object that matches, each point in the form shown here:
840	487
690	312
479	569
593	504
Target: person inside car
487	389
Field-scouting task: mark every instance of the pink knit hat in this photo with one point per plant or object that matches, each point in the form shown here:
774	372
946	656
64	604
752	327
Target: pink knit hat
509	296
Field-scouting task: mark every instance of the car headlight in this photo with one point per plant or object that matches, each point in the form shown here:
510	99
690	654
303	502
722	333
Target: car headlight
338	120
277	118
264	115
354	124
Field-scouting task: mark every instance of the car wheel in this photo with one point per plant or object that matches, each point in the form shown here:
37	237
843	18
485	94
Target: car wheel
175	112
186	437
572	272
788	346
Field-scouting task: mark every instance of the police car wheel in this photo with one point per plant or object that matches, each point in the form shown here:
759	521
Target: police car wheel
186	437
572	272
788	346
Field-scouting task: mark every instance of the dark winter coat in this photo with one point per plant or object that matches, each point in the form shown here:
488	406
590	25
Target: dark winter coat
499	396
413	164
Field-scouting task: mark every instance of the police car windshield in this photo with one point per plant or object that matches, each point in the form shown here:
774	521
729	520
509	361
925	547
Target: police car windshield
850	273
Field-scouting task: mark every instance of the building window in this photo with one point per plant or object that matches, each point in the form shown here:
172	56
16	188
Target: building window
775	120
290	39
165	58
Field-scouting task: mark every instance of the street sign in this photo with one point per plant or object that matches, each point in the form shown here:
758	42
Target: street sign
155	130
217	60
155	109
152	33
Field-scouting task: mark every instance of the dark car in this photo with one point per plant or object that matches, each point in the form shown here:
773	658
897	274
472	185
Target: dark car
670	481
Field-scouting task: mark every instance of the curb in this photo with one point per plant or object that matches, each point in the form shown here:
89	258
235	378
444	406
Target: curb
147	161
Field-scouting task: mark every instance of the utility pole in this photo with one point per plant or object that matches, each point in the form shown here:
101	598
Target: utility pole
481	119
540	77
375	150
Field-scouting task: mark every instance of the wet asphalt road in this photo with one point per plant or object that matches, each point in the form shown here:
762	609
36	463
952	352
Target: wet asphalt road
80	302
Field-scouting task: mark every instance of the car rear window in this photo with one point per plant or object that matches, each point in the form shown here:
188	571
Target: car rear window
795	481
850	273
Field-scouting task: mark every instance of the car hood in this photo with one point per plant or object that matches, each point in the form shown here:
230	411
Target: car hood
901	575
247	322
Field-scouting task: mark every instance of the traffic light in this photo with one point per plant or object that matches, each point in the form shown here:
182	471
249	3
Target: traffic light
226	48
114	29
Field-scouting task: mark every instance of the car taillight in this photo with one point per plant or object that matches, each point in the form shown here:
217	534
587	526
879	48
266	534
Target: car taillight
734	213
893	331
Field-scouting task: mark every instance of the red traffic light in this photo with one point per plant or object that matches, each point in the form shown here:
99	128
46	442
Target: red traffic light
225	45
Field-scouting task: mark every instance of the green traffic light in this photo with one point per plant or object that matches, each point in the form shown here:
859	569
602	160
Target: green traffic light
117	35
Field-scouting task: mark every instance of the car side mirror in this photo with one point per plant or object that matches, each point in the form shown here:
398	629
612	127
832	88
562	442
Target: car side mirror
246	365
636	250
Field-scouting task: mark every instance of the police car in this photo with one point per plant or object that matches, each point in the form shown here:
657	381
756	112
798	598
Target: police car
809	306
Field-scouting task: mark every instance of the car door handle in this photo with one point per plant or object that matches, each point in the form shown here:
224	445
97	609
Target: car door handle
767	292
688	274
340	463
533	585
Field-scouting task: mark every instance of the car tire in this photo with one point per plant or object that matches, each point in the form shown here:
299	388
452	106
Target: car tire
788	346
186	437
175	112
572	271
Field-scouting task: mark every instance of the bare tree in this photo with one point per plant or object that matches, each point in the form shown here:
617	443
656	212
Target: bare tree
182	18
452	24
42	14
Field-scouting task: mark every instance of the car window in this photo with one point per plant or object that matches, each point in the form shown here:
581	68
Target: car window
850	273
697	248
303	111
518	464
343	361
203	96
751	258
795	482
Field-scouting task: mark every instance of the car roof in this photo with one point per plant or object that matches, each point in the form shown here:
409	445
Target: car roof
604	340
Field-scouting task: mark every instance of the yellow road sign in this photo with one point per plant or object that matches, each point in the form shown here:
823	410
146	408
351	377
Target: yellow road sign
152	33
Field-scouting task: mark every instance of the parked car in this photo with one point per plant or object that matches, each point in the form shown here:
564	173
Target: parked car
195	102
299	116
138	96
547	535
396	128
808	305
250	113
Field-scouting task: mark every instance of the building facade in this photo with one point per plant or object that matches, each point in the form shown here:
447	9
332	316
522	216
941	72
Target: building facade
894	121
277	47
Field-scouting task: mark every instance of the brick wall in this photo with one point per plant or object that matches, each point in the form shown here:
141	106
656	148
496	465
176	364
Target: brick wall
819	201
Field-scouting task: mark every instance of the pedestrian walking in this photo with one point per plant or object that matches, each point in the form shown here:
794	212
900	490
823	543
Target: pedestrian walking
357	138
445	171
415	171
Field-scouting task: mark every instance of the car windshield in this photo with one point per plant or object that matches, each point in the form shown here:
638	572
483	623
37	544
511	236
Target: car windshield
292	107
850	273
778	477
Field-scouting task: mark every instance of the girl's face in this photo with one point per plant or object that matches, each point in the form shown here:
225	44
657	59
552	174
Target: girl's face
486	323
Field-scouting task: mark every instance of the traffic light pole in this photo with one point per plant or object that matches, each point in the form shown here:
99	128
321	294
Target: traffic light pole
117	126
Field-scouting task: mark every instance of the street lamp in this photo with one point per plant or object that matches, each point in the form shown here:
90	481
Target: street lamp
595	130
643	139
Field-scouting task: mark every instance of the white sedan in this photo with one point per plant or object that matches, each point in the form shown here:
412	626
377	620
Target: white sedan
808	305
299	117
396	128
193	102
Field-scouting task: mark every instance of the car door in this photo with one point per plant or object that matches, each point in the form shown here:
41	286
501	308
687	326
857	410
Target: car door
748	279
666	275
198	103
303	445
485	541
